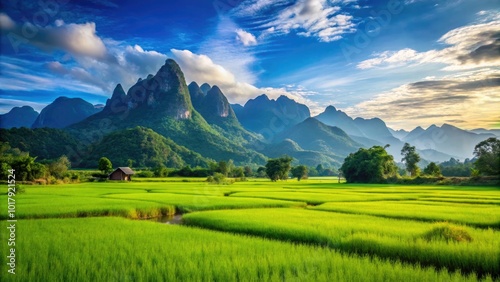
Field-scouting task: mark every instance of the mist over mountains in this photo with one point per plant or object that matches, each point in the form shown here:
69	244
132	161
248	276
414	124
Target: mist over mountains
193	125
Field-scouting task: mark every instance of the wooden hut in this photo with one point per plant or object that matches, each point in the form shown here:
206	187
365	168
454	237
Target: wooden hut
122	173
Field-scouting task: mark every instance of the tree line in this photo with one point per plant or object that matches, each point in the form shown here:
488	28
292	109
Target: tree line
375	165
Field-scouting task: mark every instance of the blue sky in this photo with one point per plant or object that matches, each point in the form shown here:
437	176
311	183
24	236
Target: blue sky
409	62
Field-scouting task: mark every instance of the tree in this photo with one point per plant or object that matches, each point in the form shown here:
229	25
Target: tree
487	153
371	165
60	167
432	169
410	158
105	165
300	172
320	169
248	171
160	171
223	168
261	172
238	172
278	168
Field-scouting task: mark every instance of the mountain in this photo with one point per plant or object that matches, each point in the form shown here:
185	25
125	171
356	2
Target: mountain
145	148
447	139
374	128
305	157
43	143
63	112
333	117
400	134
269	117
18	117
216	110
162	102
415	133
213	106
314	135
205	87
196	94
237	108
486	131
368	132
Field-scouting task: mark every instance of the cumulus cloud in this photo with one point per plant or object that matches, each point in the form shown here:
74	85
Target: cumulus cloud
470	96
468	47
313	18
100	63
78	39
201	68
245	37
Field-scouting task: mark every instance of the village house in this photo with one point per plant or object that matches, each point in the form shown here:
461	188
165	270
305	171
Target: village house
122	173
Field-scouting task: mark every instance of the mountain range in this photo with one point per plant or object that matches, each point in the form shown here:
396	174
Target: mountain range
196	124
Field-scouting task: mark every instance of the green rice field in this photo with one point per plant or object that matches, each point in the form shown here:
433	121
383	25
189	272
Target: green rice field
312	230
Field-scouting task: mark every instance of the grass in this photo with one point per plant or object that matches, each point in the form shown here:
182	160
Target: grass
115	249
128	200
472	214
316	198
387	238
348	236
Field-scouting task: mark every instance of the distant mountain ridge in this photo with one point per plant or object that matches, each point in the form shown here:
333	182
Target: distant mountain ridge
447	139
202	121
269	117
63	112
23	116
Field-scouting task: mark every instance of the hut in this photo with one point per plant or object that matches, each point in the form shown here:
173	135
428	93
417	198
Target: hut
122	173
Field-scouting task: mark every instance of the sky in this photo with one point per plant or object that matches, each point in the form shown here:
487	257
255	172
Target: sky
410	62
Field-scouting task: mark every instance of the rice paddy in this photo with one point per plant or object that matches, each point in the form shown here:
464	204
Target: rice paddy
313	230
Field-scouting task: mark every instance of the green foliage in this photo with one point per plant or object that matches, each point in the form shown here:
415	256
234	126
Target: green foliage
219	178
372	165
145	173
248	171
454	167
277	169
300	172
432	169
447	232
105	165
160	171
411	159
145	148
488	156
133	250
223	168
238	172
43	143
59	168
351	233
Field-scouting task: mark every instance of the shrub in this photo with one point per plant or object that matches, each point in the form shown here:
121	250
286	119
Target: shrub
145	173
219	178
447	232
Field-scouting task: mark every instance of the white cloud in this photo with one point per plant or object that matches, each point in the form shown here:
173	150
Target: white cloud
312	18
77	39
253	8
100	63
469	99
201	68
245	37
468	47
224	50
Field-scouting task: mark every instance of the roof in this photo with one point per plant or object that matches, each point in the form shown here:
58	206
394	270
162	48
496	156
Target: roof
126	170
